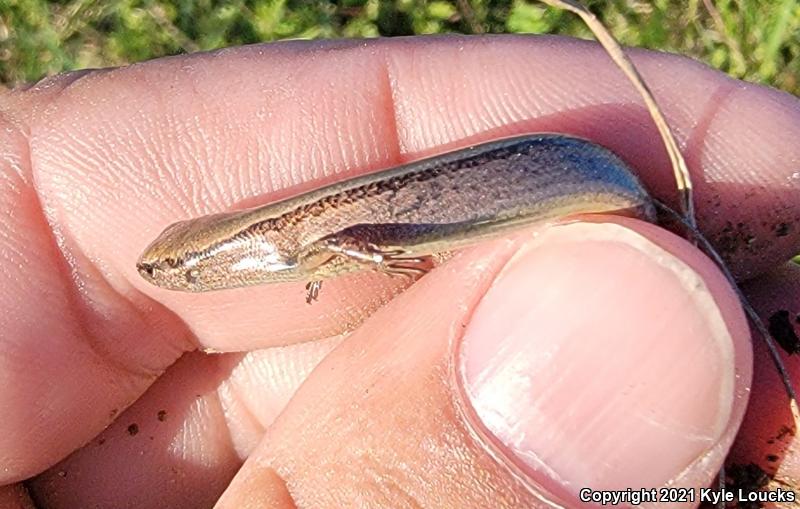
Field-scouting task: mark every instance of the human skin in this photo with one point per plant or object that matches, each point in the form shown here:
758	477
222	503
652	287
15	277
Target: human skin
608	353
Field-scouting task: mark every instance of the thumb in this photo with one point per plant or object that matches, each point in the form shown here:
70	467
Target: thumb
588	356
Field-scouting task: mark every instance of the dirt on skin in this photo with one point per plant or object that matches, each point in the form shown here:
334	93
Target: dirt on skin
747	478
782	329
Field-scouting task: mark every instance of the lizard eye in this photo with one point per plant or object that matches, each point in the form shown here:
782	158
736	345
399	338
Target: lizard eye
147	269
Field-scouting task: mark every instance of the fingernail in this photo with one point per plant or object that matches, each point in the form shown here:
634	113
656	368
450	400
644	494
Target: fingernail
598	360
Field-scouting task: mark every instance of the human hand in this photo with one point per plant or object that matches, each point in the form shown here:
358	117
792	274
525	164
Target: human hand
607	354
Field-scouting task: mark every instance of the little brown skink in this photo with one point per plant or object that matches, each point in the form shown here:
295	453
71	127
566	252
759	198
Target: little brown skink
391	220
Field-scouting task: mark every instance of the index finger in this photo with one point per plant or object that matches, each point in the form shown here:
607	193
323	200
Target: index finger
186	136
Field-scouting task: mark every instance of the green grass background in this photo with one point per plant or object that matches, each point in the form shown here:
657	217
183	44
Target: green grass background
758	40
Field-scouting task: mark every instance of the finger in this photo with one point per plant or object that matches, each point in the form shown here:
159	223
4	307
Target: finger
767	451
733	134
483	387
382	103
60	343
184	439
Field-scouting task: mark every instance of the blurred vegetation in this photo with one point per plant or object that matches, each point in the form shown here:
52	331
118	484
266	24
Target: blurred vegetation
758	40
